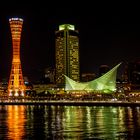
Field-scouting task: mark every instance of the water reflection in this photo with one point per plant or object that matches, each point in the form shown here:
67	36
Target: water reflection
69	122
15	121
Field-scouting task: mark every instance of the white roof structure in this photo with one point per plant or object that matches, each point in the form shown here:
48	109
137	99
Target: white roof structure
104	84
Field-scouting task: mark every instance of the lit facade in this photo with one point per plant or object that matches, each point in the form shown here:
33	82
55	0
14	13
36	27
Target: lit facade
104	84
16	85
67	53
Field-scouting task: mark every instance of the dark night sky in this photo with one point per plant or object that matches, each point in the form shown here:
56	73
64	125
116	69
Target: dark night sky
107	35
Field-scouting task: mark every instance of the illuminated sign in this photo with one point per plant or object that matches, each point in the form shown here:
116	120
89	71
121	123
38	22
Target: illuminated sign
66	26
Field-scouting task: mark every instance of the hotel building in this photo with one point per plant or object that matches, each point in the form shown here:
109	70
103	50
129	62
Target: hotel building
67	54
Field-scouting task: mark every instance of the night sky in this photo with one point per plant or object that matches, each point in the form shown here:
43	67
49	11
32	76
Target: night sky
106	36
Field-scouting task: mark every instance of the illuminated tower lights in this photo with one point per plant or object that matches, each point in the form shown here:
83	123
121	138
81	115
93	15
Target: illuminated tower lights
16	85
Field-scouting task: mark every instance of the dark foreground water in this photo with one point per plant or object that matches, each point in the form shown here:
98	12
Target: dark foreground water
69	123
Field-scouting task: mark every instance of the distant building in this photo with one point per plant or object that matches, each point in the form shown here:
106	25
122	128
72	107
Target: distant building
85	77
44	88
50	75
134	74
27	83
3	86
125	75
103	69
67	53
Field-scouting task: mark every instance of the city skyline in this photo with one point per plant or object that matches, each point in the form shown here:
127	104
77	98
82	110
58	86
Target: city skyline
105	38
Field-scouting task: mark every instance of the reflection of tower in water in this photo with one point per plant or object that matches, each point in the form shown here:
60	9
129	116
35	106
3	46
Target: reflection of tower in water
16	122
16	85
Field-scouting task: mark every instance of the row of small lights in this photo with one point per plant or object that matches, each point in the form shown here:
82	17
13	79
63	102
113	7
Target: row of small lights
16	93
15	19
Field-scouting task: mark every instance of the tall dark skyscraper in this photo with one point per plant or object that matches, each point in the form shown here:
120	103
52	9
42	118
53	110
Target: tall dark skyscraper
67	53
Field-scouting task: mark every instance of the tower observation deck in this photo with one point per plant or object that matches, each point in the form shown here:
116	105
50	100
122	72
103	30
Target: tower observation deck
16	85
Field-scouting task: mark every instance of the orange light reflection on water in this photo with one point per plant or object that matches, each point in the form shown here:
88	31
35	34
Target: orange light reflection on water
16	122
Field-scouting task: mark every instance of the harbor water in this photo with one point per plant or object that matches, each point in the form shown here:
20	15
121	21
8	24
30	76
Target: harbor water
32	122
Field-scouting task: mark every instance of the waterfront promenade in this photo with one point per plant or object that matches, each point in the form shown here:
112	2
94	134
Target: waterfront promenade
72	103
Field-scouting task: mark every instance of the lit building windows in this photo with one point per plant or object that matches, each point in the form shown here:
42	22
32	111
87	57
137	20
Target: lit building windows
67	53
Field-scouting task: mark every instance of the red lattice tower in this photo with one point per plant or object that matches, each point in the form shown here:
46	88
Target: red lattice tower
16	85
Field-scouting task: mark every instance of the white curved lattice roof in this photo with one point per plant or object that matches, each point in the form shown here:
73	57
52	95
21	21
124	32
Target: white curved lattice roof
106	83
